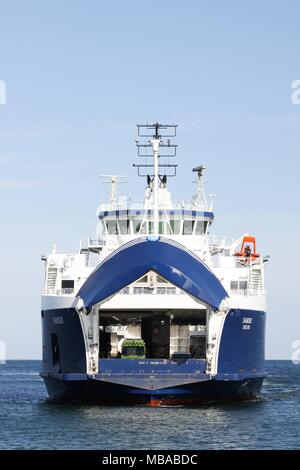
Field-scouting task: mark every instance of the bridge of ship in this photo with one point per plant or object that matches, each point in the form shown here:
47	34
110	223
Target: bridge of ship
175	221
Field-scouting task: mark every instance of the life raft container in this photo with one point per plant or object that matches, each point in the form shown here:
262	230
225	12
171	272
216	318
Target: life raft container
248	248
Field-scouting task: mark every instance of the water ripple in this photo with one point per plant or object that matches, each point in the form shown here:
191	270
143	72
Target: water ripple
29	422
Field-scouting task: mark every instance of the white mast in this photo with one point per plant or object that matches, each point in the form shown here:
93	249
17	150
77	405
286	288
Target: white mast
199	198
155	142
156	171
114	180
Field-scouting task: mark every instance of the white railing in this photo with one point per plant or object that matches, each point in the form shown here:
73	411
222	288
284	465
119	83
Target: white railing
96	242
50	291
140	205
151	291
54	291
92	243
157	291
220	242
67	290
247	292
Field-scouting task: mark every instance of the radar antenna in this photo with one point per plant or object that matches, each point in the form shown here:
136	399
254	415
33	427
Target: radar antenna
199	198
199	170
158	138
162	133
114	180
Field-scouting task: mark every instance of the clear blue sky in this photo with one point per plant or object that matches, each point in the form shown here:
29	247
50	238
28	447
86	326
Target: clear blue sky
80	74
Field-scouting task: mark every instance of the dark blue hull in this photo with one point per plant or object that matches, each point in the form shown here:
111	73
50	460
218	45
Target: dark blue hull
240	371
101	392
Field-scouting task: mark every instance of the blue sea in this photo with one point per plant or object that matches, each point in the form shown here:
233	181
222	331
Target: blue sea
27	421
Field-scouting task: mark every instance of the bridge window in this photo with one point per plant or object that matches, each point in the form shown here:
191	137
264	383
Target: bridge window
112	227
151	228
201	227
188	226
143	228
175	227
124	227
161	228
138	226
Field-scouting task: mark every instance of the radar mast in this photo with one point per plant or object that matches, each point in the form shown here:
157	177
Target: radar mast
158	138
199	198
114	181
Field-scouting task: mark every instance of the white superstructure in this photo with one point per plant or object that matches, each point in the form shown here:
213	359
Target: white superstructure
188	223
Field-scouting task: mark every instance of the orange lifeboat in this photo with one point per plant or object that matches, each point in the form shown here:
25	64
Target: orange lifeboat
248	249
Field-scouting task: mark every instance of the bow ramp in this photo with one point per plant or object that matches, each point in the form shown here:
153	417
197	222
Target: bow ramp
167	258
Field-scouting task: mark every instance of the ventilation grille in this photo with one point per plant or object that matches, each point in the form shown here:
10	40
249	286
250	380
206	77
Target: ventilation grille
51	278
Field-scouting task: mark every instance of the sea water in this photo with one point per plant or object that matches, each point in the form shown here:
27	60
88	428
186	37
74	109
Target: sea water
27	421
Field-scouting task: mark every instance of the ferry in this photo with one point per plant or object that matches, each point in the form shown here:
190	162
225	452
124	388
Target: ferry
155	309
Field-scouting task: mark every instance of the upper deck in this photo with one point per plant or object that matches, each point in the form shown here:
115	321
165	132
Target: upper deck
121	219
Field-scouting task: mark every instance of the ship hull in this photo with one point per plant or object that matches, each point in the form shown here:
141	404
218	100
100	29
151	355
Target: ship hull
240	374
100	392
